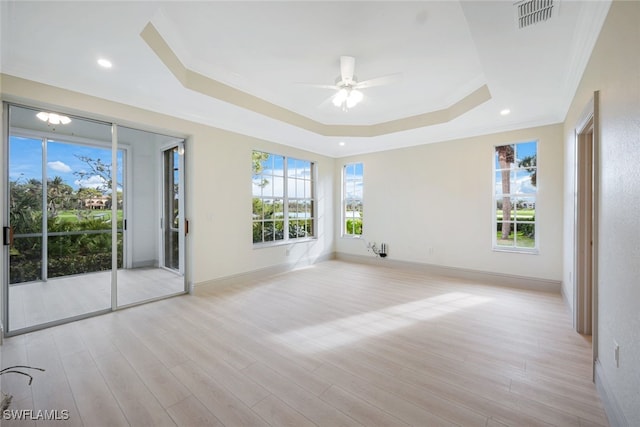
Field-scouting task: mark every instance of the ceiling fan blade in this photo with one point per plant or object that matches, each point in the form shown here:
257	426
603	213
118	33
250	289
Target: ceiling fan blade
333	87
379	81
328	101
347	67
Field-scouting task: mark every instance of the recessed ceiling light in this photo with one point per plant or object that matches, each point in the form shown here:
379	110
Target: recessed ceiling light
341	143
104	63
505	112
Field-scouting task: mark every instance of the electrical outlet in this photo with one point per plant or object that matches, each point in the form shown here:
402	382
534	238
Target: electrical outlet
616	353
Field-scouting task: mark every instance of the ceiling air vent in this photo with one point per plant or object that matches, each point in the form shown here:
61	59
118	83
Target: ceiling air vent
531	12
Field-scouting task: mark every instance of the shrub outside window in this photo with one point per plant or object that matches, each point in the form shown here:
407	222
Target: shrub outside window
515	192
283	198
352	190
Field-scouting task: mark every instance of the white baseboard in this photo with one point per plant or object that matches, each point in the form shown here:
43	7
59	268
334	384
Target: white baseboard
508	280
261	273
521	282
567	303
615	415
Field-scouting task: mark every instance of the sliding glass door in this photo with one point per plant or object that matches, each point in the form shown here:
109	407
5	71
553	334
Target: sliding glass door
59	210
94	218
153	200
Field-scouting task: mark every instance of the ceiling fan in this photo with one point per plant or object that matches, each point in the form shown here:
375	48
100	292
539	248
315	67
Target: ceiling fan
348	87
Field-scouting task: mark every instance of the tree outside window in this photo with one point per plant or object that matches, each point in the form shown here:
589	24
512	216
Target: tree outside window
515	193
283	198
352	191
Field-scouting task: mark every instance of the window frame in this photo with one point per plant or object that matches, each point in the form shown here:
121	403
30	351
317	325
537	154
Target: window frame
345	201
287	199
497	196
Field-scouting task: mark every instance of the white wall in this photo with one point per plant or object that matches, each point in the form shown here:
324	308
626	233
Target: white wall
143	190
221	181
219	204
614	70
432	204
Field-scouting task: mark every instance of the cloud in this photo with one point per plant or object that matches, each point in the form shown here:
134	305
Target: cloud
354	191
93	181
59	166
271	187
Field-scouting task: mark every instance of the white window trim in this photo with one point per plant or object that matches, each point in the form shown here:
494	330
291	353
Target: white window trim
285	209
494	223
343	218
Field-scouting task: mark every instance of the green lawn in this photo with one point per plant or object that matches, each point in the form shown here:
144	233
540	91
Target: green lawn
521	214
72	215
522	240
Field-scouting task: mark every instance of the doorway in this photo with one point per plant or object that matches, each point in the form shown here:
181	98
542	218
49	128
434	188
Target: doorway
149	198
82	233
585	208
173	231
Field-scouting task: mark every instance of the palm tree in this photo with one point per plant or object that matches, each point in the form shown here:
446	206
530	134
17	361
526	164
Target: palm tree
25	202
59	195
506	157
530	163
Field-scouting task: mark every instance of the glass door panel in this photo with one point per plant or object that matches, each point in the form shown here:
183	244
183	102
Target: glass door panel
145	274
171	207
25	209
79	219
60	257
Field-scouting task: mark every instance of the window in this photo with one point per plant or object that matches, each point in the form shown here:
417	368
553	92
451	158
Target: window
515	190
352	186
283	198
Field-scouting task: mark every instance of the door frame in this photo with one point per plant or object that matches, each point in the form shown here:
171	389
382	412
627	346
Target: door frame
127	174
46	138
585	245
4	216
178	143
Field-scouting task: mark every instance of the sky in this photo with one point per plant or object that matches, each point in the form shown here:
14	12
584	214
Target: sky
353	181
520	178
522	150
62	160
25	161
298	173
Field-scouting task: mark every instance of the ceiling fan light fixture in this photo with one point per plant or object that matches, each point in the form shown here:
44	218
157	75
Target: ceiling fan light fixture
347	98
354	98
340	97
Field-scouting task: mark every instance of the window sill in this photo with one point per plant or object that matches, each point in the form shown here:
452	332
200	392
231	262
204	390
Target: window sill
351	236
283	242
532	251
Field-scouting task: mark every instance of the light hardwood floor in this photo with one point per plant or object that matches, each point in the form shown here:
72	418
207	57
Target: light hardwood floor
36	303
335	344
